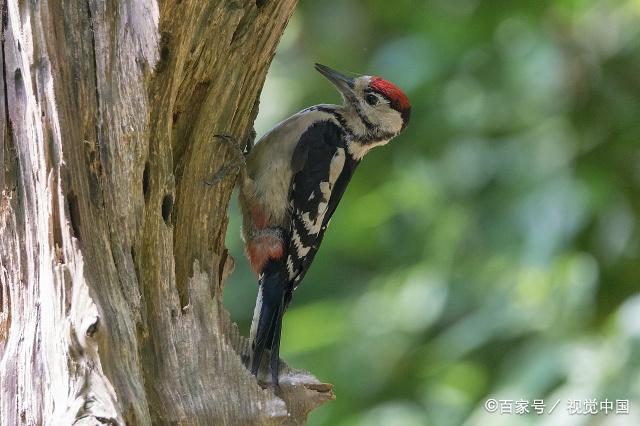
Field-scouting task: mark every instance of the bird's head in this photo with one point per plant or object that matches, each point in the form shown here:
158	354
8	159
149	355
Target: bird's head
382	107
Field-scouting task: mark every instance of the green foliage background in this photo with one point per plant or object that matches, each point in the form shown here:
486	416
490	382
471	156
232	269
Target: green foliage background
491	251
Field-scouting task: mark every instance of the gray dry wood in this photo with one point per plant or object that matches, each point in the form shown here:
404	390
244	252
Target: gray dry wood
111	246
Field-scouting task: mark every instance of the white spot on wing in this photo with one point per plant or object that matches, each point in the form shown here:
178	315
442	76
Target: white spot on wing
290	267
300	248
322	208
336	166
325	189
312	226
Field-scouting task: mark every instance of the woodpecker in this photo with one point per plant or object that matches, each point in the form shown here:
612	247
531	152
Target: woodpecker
294	179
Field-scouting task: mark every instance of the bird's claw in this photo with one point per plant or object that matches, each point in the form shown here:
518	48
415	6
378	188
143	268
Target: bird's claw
238	164
236	146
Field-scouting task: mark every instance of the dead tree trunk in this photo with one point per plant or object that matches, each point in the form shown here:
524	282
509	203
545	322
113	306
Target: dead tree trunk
112	247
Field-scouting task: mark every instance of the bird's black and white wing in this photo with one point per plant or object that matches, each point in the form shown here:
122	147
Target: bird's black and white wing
316	189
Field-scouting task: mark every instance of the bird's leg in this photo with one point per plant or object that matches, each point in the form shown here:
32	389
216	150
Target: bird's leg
238	164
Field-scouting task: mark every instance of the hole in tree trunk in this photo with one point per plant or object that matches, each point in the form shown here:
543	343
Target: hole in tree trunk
165	43
145	181
19	84
91	330
74	214
167	205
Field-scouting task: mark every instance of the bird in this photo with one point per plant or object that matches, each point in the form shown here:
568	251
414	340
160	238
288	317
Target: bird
293	180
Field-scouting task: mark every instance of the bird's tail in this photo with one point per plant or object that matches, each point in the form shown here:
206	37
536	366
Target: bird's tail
273	297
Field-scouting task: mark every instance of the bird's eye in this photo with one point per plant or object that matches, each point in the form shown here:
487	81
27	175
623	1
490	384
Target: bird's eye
371	99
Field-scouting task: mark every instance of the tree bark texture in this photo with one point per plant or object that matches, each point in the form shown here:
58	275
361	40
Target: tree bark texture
112	257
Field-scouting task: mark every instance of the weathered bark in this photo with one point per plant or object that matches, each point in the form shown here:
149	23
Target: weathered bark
112	246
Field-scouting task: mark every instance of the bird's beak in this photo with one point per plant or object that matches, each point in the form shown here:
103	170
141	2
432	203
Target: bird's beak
343	83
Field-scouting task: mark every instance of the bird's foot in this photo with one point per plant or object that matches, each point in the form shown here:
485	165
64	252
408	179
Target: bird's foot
238	164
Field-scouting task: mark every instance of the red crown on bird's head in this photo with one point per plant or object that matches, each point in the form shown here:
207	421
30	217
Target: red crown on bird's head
398	100
396	96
